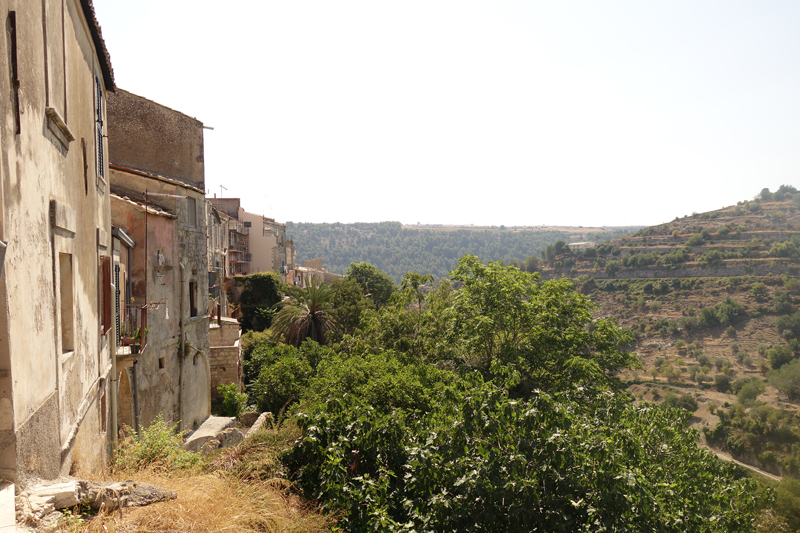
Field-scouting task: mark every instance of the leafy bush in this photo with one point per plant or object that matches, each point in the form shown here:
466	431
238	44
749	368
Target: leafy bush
789	325
695	240
159	448
779	356
259	292
233	402
684	401
787	379
282	382
484	459
750	391
722	383
384	381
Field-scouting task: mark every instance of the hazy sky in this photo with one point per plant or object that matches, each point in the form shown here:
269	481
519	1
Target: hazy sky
493	112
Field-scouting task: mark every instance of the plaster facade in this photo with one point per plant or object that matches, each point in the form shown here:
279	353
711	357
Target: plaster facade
159	201
55	346
267	244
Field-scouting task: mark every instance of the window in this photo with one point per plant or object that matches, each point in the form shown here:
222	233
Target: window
191	211
11	31
85	166
193	298
67	303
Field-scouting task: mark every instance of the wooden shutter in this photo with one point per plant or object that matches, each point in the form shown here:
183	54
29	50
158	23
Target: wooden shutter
99	126
105	264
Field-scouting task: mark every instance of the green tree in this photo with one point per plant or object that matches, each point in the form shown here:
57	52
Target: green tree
307	315
411	285
546	330
259	293
787	379
779	356
531	264
374	283
482	460
282	382
348	304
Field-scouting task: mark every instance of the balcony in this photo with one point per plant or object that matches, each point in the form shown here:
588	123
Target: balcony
132	332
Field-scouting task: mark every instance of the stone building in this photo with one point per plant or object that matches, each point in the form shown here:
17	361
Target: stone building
158	201
217	238
269	249
56	329
239	256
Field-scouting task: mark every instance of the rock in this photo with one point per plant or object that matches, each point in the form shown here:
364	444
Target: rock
40	501
248	419
199	440
215	432
262	419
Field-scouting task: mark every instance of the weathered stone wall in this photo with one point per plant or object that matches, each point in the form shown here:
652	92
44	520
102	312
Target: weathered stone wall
226	334
226	355
154	138
162	153
54	214
225	367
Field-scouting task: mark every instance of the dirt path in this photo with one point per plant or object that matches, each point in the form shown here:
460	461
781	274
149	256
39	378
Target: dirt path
726	457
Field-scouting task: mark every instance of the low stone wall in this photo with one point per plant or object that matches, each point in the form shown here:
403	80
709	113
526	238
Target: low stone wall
225	367
226	334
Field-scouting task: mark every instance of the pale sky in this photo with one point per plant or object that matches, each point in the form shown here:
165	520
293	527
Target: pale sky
495	112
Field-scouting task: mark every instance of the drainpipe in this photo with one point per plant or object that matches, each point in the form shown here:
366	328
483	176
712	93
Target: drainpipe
113	391
136	399
181	349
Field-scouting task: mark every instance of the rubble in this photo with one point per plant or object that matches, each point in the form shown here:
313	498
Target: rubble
38	503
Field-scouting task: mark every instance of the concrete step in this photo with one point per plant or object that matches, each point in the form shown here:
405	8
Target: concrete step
8	523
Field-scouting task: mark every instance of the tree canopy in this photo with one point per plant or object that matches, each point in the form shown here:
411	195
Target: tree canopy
489	402
375	283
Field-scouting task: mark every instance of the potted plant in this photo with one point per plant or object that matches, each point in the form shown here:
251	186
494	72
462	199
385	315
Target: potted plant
137	339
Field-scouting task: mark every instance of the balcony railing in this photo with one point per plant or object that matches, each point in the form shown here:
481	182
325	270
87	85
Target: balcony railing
132	334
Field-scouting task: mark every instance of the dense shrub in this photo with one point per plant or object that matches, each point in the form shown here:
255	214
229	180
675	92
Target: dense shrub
282	382
684	401
232	402
779	356
159	448
482	460
787	379
384	381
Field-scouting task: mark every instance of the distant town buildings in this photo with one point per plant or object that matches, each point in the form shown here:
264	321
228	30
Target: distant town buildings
581	245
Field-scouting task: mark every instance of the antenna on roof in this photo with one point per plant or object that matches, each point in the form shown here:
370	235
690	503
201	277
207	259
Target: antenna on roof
220	191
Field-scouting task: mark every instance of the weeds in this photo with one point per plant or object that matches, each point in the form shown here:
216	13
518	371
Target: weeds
158	449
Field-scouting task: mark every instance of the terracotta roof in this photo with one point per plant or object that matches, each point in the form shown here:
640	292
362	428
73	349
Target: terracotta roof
99	44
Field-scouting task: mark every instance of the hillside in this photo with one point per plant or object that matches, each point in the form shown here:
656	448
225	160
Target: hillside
397	249
712	299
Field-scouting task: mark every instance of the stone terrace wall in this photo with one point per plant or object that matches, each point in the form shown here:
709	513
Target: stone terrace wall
225	355
699	272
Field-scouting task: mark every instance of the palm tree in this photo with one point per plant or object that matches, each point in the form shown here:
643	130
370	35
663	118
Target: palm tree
305	315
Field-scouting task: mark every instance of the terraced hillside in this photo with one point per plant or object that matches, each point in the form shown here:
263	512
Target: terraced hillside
712	300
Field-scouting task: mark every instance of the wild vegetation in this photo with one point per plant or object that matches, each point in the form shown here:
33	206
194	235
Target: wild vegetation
488	401
498	400
397	249
712	300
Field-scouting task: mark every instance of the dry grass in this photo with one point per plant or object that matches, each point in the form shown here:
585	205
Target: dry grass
236	492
